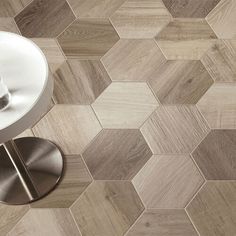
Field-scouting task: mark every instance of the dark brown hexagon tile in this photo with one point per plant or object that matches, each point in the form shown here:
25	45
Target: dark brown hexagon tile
88	38
213	210
117	154
80	81
107	208
43	18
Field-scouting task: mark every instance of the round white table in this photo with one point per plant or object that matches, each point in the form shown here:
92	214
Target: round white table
30	167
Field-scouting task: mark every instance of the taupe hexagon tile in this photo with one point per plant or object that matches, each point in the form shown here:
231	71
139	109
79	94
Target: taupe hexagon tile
43	18
213	210
71	127
117	154
125	105
168	182
8	24
88	38
40	222
80	81
163	222
74	182
180	82
107	208
218	106
186	39
140	18
174	129
133	60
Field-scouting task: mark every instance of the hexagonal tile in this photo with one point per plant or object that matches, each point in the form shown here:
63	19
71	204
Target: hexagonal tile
125	105
180	82
8	24
174	129
107	208
40	18
71	127
186	39
117	154
88	38
222	19
190	8
40	222
133	60
80	82
215	156
168	181
140	18
74	182
220	61
95	8
213	210
218	106
167	222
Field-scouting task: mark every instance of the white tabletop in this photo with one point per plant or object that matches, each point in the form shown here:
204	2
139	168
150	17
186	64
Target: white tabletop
24	69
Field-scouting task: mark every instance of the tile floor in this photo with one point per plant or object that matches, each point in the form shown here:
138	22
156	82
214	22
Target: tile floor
144	109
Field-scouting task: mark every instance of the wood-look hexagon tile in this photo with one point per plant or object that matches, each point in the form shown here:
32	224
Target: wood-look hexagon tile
220	61
174	129
8	24
168	181
186	39
215	156
74	182
140	18
95	8
163	222
71	127
9	216
88	38
117	154
26	133
9	8
180	82
133	60
213	210
218	106
107	208
80	81
125	105
52	52
43	18
222	19
38	222
190	8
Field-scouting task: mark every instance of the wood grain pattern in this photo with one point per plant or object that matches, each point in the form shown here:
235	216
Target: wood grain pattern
220	61
180	82
117	154
190	8
107	208
8	24
213	211
218	106
222	19
43	18
46	222
186	39
125	105
88	38
168	182
133	60
74	182
79	82
174	129
140	18
95	8
215	156
71	127
26	133
158	222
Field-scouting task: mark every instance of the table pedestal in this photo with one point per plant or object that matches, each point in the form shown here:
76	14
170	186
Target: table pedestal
29	169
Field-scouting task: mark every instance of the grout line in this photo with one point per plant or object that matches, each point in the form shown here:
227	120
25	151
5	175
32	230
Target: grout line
192	222
23	9
71	9
65	29
90	174
77	226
